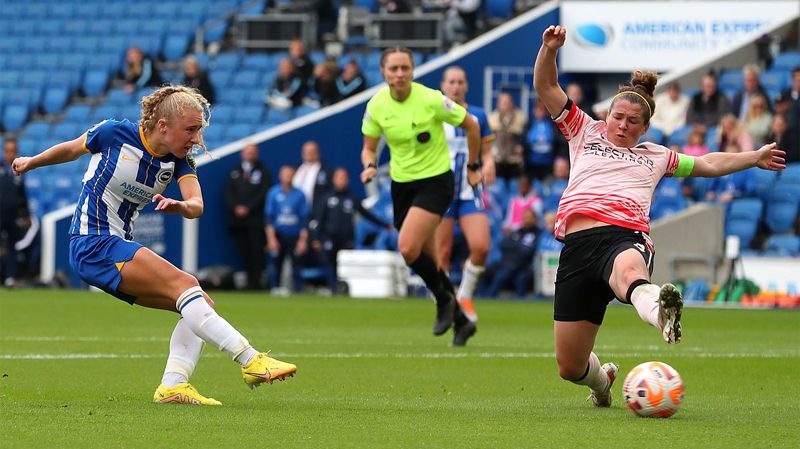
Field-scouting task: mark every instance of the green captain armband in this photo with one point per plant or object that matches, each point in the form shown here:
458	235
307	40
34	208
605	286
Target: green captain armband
685	166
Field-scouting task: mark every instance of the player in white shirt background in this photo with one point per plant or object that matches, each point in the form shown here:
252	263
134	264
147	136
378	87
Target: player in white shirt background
131	166
603	216
467	208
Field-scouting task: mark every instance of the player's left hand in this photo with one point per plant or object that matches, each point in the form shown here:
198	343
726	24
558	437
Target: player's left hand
473	178
488	171
169	205
771	158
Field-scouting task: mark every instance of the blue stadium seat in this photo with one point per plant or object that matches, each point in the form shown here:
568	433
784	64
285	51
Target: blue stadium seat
247	78
37	130
78	113
782	208
679	136
55	99
106	111
258	62
783	246
787	60
34	44
374	78
233	95
119	97
95	82
775	80
87	44
221	78
34	78
226	61
765	180
742	219
14	117
305	109
731	80
345	59
275	115
318	57
66	131
175	46
791	173
668	200
237	131
222	114
28	147
128	27
212	136
653	135
47	61
215	33
151	44
249	114
499	9
20	61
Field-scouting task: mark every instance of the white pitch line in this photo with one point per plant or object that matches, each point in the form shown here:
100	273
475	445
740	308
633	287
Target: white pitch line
440	355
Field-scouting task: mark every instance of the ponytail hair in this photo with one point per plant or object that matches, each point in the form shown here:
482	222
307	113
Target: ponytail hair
640	91
169	101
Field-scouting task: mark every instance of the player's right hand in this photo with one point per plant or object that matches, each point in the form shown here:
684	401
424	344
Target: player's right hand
368	174
554	37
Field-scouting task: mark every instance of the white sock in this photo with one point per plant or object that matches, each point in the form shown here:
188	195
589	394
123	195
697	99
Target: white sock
469	279
184	351
595	378
206	324
645	299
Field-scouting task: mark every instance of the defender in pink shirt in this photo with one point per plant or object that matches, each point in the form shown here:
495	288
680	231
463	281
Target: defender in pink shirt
603	217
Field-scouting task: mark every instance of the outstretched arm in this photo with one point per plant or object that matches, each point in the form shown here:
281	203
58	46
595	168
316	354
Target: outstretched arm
57	154
711	165
545	72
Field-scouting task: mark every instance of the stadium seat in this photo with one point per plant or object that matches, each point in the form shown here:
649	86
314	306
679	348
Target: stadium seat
105	111
119	97
731	80
775	80
787	60
28	146
175	46
215	33
251	115
742	219
765	180
275	115
222	114
237	131
679	136
782	209
226	61
247	78
55	99
78	113
668	200
14	117
66	131
653	135
234	95
37	130
791	173
95	82
783	245
258	62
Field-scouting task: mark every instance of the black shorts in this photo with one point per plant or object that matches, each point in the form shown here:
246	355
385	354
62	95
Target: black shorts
432	194
584	268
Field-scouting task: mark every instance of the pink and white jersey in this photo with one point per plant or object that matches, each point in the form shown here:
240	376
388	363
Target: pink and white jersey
611	184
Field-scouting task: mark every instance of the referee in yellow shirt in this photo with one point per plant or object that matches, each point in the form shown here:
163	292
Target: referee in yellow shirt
410	115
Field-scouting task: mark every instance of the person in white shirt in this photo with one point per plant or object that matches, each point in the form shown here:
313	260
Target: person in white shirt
672	108
313	177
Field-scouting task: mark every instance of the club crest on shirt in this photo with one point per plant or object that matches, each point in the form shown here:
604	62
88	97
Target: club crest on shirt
448	104
423	137
366	118
165	176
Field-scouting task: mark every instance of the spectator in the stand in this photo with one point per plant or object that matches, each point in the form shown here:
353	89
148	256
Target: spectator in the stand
351	81
335	217
394	6
786	140
245	195
791	98
140	71
575	92
304	67
508	124
707	106
524	200
516	263
547	239
555	184
732	136
288	90
724	189
286	217
539	141
461	14
14	213
695	143
194	76
672	108
758	119
313	176
741	101
793	92
322	86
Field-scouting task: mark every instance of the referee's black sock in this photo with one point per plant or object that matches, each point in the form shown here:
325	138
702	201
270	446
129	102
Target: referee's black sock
426	268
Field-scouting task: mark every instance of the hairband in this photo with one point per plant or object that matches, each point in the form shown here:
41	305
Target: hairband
638	95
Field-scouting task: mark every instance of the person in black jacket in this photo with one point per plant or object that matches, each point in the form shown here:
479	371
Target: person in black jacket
335	218
140	70
313	177
289	87
245	194
518	249
351	81
194	76
14	213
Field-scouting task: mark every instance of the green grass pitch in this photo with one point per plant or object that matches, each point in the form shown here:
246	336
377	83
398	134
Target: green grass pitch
79	370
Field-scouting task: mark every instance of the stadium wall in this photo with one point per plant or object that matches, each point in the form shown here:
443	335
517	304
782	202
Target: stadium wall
196	244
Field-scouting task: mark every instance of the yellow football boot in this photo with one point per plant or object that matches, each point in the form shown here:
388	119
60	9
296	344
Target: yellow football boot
266	369
183	393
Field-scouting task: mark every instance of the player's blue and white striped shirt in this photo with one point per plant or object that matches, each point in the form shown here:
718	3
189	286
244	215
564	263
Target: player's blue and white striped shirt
123	176
459	150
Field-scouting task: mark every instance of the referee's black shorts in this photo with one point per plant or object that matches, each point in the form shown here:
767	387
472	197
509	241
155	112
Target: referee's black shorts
584	269
432	194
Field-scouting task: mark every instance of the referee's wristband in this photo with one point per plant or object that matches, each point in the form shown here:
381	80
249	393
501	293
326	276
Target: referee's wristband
370	165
